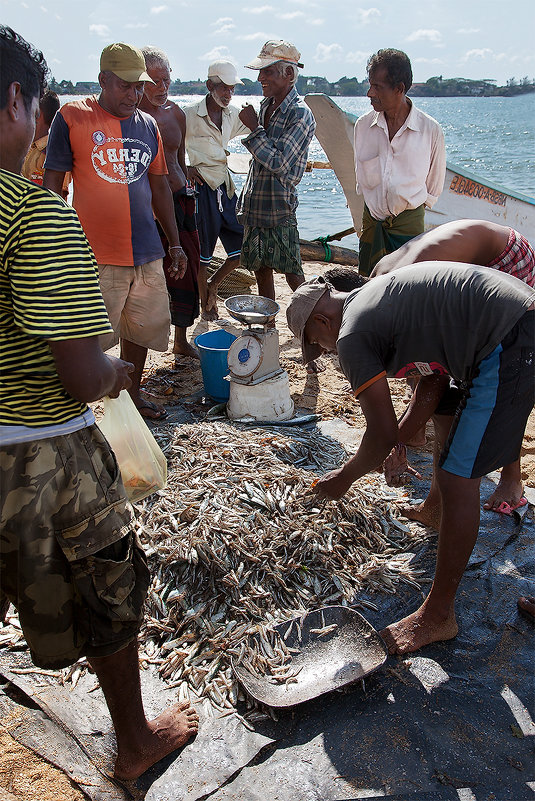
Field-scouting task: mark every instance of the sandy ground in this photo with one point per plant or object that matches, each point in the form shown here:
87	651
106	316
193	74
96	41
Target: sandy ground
23	775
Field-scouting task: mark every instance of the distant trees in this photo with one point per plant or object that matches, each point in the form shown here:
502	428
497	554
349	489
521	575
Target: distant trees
343	87
465	87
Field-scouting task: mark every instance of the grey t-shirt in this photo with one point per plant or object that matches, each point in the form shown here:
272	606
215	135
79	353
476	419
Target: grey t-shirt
431	318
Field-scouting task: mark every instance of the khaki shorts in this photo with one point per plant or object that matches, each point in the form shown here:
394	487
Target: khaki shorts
69	561
137	304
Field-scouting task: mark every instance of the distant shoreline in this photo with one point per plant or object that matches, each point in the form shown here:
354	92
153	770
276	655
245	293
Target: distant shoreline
344	87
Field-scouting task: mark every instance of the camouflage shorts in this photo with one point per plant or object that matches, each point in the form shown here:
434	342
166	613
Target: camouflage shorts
69	561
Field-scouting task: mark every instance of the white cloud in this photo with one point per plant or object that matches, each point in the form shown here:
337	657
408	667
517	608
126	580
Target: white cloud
44	9
357	57
427	60
425	34
477	54
258	10
251	37
134	26
159	9
468	30
327	52
367	15
100	30
291	15
223	26
216	54
317	21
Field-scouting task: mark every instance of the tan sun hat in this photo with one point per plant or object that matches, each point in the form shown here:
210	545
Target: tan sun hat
125	61
273	51
301	306
225	71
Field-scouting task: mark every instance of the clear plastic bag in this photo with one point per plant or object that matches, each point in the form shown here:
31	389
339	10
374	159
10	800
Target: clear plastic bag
141	460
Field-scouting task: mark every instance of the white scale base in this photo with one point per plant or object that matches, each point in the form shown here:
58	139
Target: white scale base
267	400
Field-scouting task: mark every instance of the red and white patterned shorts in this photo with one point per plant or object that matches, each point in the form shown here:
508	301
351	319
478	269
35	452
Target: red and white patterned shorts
517	259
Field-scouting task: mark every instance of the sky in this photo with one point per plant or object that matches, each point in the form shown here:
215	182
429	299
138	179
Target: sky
453	38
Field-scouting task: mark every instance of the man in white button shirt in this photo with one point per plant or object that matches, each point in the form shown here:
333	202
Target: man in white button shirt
210	125
400	160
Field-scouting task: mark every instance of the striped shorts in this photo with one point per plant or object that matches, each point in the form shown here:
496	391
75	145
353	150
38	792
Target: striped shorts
517	259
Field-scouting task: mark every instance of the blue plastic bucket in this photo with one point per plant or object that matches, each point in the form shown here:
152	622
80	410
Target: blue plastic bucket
213	349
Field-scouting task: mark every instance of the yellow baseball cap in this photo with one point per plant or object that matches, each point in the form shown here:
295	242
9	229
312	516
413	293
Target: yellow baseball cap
125	61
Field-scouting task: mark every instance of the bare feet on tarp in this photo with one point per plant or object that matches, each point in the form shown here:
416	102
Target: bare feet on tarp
507	497
169	731
210	315
526	607
314	367
185	349
426	513
419	629
150	410
211	301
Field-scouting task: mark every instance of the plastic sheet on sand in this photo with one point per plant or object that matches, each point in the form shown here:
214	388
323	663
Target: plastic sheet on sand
454	721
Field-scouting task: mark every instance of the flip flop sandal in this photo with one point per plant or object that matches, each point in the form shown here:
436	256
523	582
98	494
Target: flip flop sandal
161	414
506	509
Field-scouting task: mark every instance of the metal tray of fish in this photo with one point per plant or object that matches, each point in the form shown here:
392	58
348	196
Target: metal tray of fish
331	647
252	309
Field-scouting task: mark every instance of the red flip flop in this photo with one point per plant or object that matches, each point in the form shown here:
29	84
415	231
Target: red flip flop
506	509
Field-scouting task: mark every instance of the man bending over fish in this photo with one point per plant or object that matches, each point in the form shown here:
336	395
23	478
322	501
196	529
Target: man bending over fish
435	321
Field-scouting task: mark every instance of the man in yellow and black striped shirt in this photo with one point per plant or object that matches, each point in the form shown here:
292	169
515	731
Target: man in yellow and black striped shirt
69	559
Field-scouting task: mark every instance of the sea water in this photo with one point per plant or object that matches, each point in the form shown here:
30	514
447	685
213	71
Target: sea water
493	137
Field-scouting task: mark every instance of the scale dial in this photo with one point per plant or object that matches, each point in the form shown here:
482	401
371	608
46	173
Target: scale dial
245	355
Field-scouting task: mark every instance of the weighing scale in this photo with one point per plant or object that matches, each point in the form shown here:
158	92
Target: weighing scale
259	387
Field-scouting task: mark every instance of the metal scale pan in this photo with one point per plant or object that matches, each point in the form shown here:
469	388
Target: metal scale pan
352	650
252	309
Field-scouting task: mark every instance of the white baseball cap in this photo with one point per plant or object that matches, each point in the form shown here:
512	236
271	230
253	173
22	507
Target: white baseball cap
273	51
225	71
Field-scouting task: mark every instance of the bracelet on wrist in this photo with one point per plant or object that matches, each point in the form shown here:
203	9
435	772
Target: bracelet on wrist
176	247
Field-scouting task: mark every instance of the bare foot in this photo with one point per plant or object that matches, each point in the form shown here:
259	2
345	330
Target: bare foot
428	514
526	607
211	299
169	731
313	367
150	410
186	350
209	314
509	492
417	630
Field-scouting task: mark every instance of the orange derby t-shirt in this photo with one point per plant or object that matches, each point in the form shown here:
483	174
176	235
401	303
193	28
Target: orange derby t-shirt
110	159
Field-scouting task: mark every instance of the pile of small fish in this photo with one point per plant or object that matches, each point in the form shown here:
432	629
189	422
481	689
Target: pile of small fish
238	542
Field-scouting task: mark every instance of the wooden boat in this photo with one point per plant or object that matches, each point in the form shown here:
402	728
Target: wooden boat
465	196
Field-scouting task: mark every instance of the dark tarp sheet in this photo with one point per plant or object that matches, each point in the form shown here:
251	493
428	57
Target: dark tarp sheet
454	721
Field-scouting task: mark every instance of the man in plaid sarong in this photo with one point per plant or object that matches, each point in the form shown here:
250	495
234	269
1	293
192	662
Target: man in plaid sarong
278	142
